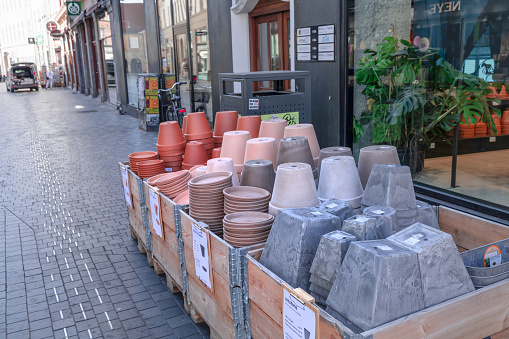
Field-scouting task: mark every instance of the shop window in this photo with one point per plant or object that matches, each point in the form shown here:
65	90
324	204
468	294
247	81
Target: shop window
449	67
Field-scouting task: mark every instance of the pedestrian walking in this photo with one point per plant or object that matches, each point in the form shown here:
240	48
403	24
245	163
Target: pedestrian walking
49	80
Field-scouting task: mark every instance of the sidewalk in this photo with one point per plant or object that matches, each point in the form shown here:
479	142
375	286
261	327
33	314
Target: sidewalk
69	267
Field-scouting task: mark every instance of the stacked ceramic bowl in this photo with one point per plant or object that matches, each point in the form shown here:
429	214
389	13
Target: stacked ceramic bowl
243	229
149	168
245	199
172	184
135	158
206	199
198	129
171	145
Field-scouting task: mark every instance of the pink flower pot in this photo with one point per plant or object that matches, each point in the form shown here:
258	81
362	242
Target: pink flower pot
307	131
223	165
261	148
273	128
234	146
250	123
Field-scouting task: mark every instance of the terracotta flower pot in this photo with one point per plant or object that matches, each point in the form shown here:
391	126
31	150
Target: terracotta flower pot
334	151
494	94
258	173
195	155
503	94
261	148
339	179
170	134
294	187
307	131
480	129
184	125
225	121
273	128
250	123
216	153
296	149
223	165
197	126
234	146
378	154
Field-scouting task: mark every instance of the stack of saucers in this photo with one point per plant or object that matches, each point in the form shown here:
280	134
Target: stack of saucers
243	229
149	168
245	199
206	199
134	158
172	184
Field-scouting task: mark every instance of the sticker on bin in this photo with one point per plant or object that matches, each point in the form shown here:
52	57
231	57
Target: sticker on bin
492	256
332	205
254	103
384	248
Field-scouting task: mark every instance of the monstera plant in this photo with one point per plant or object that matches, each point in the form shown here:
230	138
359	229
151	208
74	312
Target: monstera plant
414	95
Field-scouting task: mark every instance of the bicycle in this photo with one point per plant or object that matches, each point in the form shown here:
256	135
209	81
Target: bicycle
202	98
172	110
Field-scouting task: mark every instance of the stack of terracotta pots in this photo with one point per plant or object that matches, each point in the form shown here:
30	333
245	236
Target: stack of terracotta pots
194	155
173	184
243	229
307	131
480	129
135	158
504	123
234	146
294	187
149	168
225	121
223	165
250	123
467	128
246	198
171	145
261	148
273	128
206	200
498	126
197	129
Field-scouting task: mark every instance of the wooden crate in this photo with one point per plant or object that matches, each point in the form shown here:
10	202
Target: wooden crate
478	314
165	252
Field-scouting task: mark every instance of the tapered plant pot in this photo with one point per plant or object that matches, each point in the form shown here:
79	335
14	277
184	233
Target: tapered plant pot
294	187
234	146
225	121
170	134
216	153
250	123
223	165
273	128
194	155
197	127
258	173
307	131
339	179
184	125
296	149
492	95
480	129
503	94
378	154
200	171
502	124
334	151
261	148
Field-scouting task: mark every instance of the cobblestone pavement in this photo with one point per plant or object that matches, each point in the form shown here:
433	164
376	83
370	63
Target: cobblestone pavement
68	266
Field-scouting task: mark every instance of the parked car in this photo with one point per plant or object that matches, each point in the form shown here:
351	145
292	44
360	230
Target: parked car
22	75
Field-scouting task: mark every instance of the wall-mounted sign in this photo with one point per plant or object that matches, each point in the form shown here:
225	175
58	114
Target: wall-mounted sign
31	40
73	8
315	43
39	40
51	26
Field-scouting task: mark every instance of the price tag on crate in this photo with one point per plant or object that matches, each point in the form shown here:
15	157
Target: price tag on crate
300	316
201	255
155	212
127	190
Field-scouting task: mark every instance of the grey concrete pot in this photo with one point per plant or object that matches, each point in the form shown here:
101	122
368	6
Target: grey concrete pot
258	173
293	241
386	219
362	228
426	215
339	208
296	149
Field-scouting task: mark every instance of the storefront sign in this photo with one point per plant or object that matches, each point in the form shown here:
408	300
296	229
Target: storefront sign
451	6
316	43
73	8
201	255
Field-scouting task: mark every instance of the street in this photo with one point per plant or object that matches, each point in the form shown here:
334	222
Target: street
69	266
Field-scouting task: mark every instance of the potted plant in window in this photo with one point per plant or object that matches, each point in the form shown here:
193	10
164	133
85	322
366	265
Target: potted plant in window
413	95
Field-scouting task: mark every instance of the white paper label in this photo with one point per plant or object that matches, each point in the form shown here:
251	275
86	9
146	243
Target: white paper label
412	241
303	31
338	236
303	48
154	212
329	29
332	205
379	212
303	56
362	219
316	213
299	321
326	38
125	182
326	56
201	255
326	47
384	248
303	40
